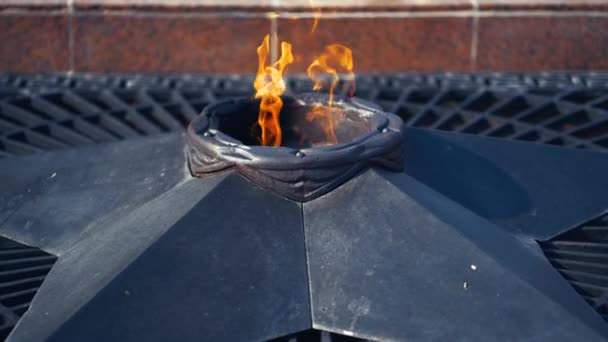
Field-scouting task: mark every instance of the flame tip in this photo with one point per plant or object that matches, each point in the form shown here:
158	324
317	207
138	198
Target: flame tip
270	85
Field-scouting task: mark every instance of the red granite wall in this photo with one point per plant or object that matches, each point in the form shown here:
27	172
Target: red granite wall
221	36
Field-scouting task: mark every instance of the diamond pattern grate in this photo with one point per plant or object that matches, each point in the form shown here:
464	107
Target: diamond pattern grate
22	271
581	256
47	112
317	336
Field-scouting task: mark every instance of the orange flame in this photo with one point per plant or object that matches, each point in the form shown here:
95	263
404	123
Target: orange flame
336	59
316	16
269	86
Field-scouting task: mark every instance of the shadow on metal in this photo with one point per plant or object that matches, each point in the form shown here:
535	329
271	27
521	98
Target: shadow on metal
532	190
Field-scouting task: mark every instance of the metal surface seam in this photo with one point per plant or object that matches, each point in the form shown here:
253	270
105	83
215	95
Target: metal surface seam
308	283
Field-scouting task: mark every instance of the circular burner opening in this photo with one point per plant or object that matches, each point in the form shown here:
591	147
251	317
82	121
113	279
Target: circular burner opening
305	121
307	164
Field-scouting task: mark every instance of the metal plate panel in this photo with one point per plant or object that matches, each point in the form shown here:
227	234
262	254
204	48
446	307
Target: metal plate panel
536	191
231	269
52	200
113	243
385	267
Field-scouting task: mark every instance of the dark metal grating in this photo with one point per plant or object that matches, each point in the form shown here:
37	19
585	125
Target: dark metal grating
14	84
48	112
22	271
581	256
317	336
